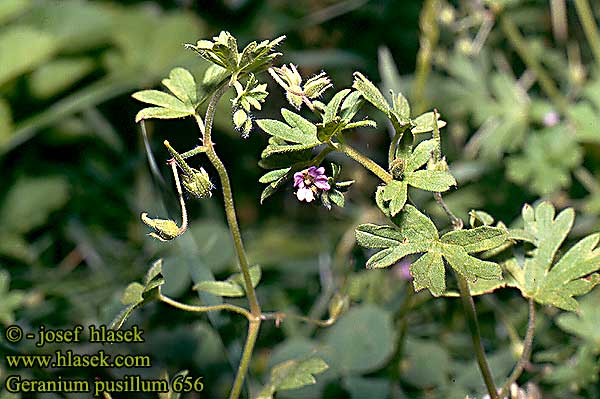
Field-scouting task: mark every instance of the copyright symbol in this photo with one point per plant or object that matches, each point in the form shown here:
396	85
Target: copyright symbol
13	334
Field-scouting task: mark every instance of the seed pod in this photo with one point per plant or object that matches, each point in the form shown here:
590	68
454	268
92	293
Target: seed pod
198	183
164	229
338	305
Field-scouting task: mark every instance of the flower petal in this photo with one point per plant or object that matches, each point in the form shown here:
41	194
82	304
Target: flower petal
322	184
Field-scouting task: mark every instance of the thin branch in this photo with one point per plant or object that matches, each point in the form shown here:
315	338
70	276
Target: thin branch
526	354
204	309
280	316
471	314
364	161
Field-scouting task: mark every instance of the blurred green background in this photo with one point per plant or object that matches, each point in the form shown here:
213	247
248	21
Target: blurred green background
75	179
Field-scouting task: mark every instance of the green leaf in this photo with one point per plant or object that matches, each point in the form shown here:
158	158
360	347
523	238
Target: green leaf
162	99
255	275
232	287
22	49
370	92
58	75
540	277
359	387
181	83
375	236
132	294
425	123
431	180
30	201
415	226
389	256
369	331
478	239
391	197
351	105
160	113
298	131
273	175
470	267
292	374
420	155
428	272
220	288
333	106
547	161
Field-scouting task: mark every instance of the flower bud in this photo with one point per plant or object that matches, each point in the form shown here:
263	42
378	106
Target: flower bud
397	168
198	183
164	229
316	85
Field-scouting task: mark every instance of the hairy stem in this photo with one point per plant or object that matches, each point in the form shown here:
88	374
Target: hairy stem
526	354
364	161
254	322
465	292
471	314
227	197
253	328
279	316
546	83
584	12
204	309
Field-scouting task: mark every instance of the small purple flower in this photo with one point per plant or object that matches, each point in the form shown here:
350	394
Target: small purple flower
309	181
551	119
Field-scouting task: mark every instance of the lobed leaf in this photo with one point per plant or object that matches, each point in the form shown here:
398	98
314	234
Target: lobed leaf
428	272
292	374
431	180
370	92
162	99
181	83
476	240
425	123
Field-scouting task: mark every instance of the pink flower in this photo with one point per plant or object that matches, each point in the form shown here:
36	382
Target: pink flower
309	182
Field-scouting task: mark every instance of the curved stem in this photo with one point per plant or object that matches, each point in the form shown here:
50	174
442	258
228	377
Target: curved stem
364	161
255	312
204	309
279	316
227	197
471	314
184	217
526	354
253	328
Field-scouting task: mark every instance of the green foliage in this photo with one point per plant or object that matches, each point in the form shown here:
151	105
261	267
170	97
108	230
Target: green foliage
543	279
232	287
585	324
547	161
181	83
223	51
292	374
137	295
415	233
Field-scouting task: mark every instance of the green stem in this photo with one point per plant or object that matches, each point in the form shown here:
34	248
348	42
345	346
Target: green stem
364	161
471	315
253	328
546	83
279	316
465	292
204	309
227	197
254	322
526	354
584	11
